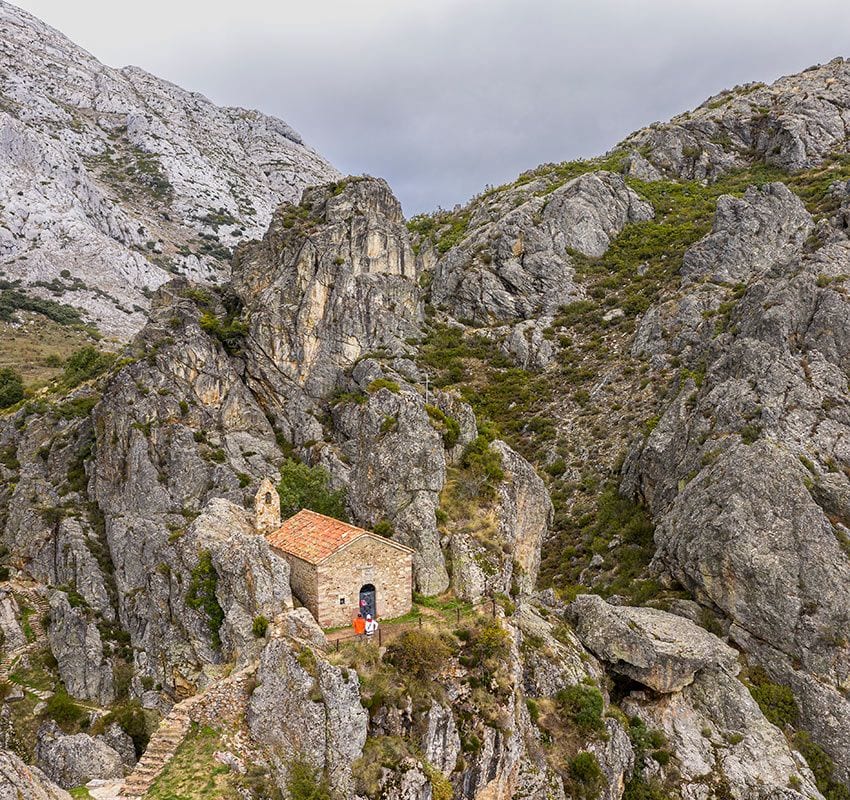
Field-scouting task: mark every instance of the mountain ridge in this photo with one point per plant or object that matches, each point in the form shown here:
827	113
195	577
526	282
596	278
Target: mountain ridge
148	179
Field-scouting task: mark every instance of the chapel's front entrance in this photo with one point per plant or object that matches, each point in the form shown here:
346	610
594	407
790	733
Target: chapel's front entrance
368	602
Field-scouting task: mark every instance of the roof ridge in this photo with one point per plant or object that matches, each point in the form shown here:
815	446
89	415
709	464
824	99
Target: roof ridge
312	536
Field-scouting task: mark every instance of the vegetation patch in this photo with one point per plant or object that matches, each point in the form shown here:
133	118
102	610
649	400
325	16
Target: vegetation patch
302	486
775	700
202	595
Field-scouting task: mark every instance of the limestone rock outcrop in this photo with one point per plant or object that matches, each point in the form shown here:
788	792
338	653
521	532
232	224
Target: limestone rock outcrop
746	469
722	742
147	180
333	280
76	643
795	123
518	266
306	709
72	761
662	651
19	781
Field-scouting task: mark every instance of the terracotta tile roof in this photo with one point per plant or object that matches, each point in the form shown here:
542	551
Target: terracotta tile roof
313	537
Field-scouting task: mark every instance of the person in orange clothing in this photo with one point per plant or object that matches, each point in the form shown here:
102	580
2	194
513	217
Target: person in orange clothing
359	625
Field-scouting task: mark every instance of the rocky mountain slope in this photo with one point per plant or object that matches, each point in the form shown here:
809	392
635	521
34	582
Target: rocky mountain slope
114	181
605	404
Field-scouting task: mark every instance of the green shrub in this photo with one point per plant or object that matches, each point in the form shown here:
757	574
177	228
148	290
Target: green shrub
260	626
647	742
383	383
76	407
230	331
775	700
201	595
639	788
304	782
586	775
822	766
486	641
62	708
750	433
583	706
482	461
448	426
417	652
84	364
122	678
383	528
12	300
302	486
11	387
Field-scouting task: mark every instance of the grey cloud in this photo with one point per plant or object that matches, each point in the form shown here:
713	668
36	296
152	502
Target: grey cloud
443	97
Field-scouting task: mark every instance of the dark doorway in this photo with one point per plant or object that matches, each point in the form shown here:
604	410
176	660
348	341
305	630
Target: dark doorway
368	603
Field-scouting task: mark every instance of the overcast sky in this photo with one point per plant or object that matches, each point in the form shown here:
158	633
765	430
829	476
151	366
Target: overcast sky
444	96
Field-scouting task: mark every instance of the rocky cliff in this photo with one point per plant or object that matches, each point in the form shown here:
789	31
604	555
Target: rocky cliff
605	404
114	181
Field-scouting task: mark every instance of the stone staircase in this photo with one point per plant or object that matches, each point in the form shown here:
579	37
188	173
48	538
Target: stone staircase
161	748
31	598
221	700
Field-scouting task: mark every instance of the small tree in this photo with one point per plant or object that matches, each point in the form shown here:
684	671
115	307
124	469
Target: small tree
583	706
302	486
11	387
260	626
85	363
201	595
586	776
418	653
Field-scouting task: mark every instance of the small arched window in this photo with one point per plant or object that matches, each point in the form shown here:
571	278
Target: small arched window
268	498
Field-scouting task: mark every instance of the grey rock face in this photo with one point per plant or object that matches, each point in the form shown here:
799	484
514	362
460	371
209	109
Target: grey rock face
745	473
333	280
134	170
252	579
441	742
525	513
518	266
305	708
660	650
398	468
76	643
11	634
55	550
19	781
74	760
720	738
616	757
794	124
506	558
769	224
173	432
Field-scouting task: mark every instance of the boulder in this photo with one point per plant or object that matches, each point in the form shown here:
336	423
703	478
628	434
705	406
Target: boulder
659	650
305	708
71	761
19	781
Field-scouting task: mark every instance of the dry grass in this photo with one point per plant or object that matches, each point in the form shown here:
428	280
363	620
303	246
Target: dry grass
37	347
